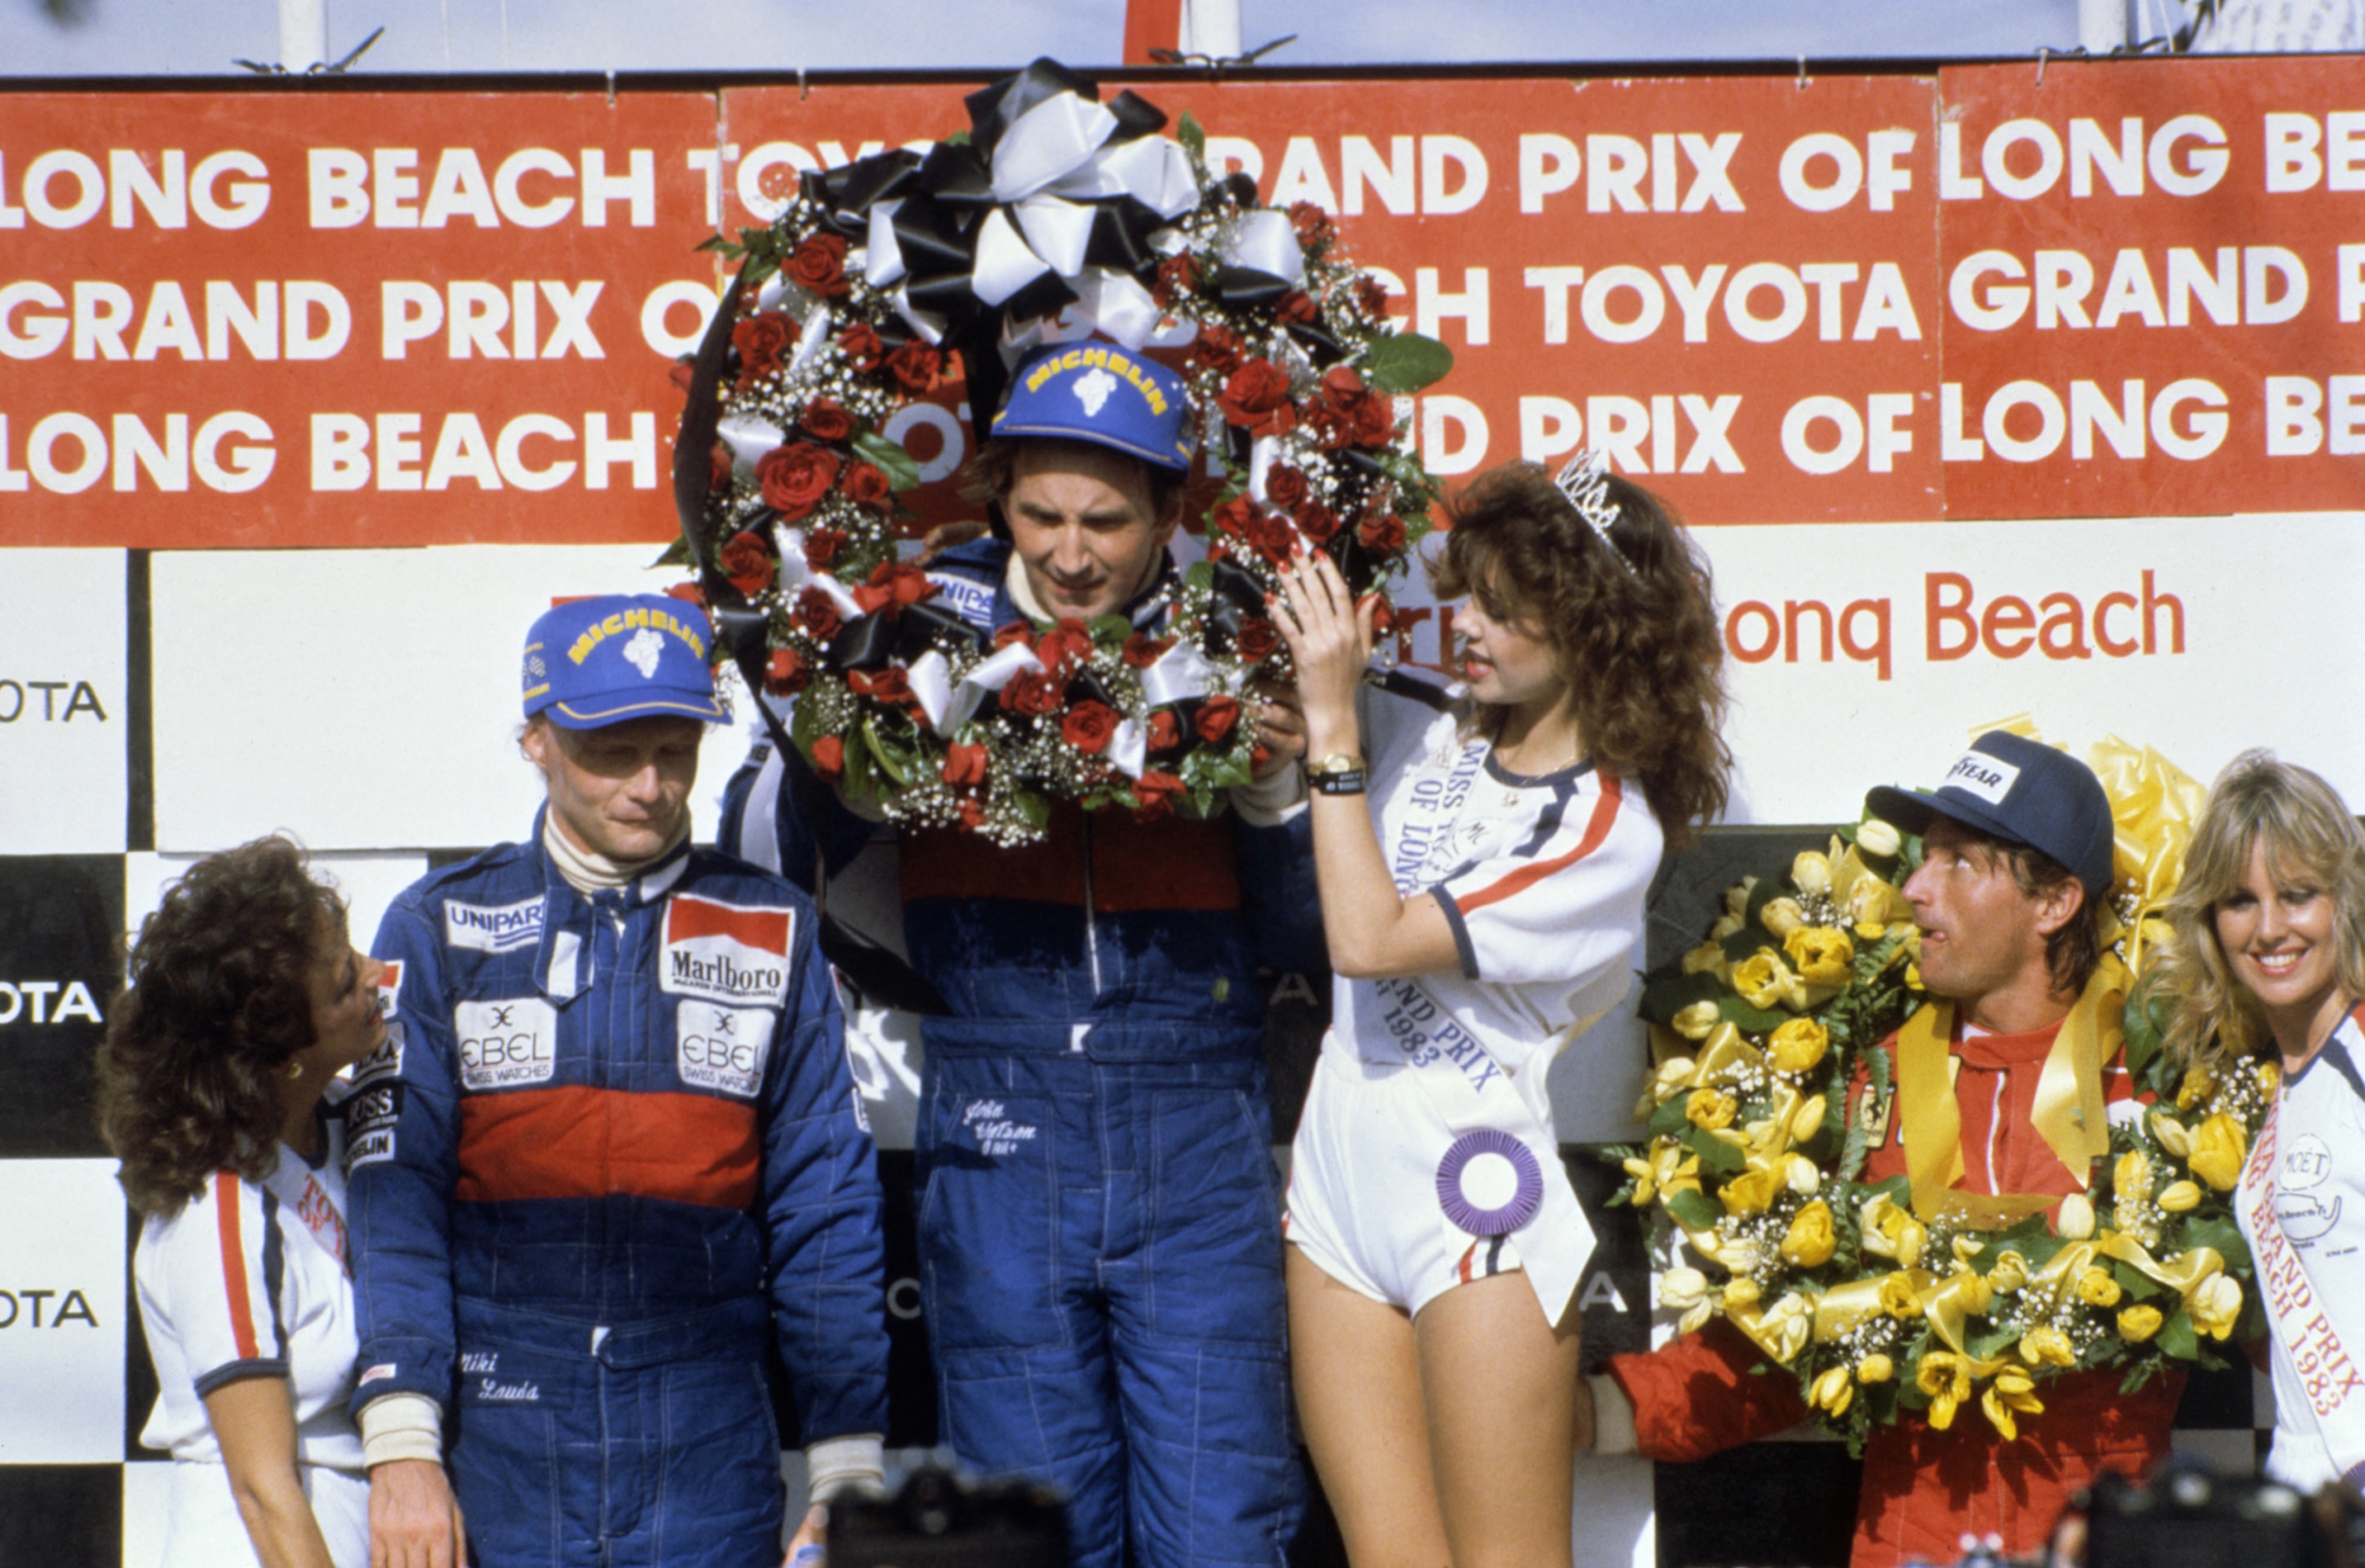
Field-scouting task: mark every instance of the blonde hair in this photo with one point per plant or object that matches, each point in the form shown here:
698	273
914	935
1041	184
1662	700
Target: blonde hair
2305	826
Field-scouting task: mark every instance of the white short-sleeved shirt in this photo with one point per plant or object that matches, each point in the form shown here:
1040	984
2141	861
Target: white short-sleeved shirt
2306	1173
1541	878
253	1279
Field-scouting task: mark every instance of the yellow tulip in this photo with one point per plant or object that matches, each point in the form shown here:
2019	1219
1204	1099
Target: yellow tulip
1674	1076
1809	1241
1782	916
2007	1395
1821	953
1808	1119
2180	1197
2198	1085
2138	1323
1810	872
1913	977
1875	836
1726	926
1875	1368
1834	1391
1898	1297
1801	1175
1946	1377
1797	1045
1871	931
2010	1272
1693	1023
2097	1288
1710	1108
1736	897
1695	1316
1706	959
2172	1134
1680	1288
1751	1192
2047	1346
2131	1177
2076	1218
1764	980
2218	1149
1741	1293
2270	1078
2215	1304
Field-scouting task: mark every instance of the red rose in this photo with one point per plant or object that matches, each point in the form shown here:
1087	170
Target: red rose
859	342
1031	692
1343	384
1372	422
1296	308
1064	646
964	765
1217	349
1383	533
784	674
1235	516
890	685
1256	639
1165	730
819	265
1317	521
1371	296
718	467
972	815
1017	632
1176	275
829	756
1323	418
1257	399
818	613
688	593
1088	726
1142	649
1216	717
825	418
916	366
1272	538
761	340
1384	615
1284	486
898	583
822	546
1154	794
865	486
1313	224
746	563
795	477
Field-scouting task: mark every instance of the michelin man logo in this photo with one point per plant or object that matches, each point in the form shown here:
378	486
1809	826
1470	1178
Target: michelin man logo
1093	390
534	668
645	649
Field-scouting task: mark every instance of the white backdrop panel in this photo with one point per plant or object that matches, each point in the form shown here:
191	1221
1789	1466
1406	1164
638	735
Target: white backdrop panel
363	698
61	1318
61	702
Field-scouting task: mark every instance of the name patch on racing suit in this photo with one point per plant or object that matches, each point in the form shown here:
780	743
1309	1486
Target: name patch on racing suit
722	1047
493	930
726	953
506	1043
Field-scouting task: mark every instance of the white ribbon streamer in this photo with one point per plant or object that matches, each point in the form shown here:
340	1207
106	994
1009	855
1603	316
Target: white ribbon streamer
1181	673
1151	169
931	680
1119	306
794	572
815	339
883	262
1048	141
1266	241
1128	749
1005	263
1059	232
748	439
848	607
927	324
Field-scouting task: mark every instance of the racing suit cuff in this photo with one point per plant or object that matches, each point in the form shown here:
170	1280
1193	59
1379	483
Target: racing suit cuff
1613	1416
401	1426
834	1464
1269	802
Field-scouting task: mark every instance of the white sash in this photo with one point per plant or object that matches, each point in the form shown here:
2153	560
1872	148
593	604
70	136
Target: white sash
2333	1380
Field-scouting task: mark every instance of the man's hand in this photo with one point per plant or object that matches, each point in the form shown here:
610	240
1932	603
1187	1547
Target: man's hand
1280	729
810	1546
949	536
414	1519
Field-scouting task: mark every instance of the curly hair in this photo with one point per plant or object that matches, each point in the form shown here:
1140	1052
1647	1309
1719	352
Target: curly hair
2305	829
1637	639
217	997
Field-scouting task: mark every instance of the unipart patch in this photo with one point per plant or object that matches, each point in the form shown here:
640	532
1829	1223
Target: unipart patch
503	1044
488	928
973	601
726	953
722	1048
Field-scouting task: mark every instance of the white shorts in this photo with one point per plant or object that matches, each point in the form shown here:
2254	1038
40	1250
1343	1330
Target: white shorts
1365	1204
202	1528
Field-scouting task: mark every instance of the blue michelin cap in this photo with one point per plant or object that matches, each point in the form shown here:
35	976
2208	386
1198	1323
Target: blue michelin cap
601	661
1097	392
2024	792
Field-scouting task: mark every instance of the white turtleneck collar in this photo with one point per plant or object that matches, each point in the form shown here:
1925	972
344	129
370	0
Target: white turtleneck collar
588	871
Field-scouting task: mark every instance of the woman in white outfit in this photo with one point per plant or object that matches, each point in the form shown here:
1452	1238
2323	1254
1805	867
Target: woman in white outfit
2269	962
1482	871
245	1001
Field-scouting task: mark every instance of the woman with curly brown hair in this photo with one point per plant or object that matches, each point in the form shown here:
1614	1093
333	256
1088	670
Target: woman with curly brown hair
1483	904
216	1088
2269	961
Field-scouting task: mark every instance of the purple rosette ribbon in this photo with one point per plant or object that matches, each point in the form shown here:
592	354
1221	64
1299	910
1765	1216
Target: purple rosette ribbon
1476	1160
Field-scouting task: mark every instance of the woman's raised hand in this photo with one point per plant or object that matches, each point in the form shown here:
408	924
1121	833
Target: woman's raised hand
1330	637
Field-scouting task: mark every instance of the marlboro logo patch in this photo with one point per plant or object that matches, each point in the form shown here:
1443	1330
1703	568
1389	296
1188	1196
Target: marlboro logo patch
726	953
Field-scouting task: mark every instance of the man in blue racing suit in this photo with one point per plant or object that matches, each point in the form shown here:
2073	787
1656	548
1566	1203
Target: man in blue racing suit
609	1155
1100	1246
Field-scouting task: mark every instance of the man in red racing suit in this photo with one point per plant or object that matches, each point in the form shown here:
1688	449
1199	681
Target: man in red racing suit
2018	861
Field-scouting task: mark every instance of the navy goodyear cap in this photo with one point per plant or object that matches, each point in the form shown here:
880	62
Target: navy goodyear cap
1099	393
2024	792
595	662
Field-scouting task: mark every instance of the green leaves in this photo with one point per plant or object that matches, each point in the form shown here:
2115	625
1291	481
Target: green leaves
890	459
1194	140
1406	362
1694	1209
